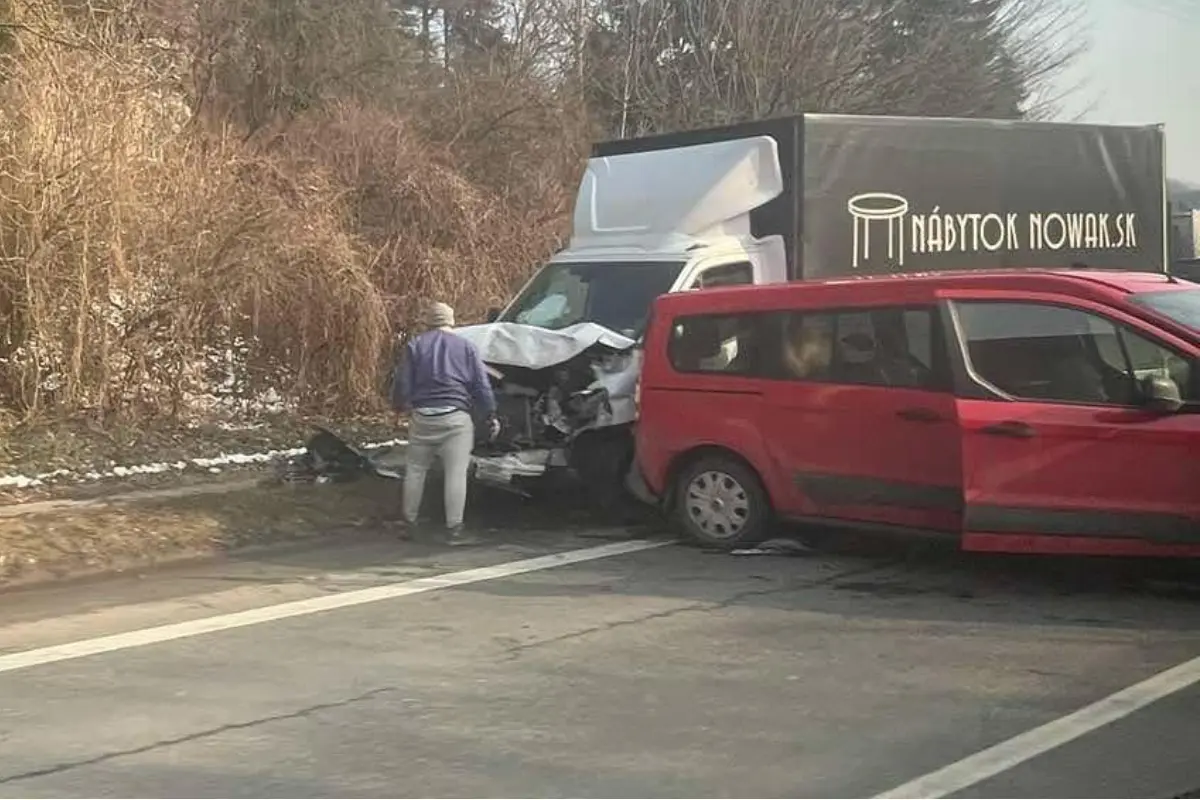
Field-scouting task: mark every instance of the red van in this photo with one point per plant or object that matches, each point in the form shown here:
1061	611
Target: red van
1032	411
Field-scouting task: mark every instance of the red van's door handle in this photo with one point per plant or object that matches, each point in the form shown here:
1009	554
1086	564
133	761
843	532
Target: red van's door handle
1010	427
919	415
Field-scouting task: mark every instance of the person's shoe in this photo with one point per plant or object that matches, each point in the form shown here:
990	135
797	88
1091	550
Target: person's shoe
402	529
459	537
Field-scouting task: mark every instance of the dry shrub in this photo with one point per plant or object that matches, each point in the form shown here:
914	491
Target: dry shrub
75	127
137	255
263	267
153	262
431	230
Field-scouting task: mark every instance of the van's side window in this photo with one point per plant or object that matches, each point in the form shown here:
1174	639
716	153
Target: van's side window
740	273
717	343
1039	351
891	347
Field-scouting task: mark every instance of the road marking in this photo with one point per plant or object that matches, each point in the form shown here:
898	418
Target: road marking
1019	749
315	605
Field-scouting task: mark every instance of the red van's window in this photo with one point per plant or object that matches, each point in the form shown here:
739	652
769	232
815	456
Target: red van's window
1039	351
892	347
728	344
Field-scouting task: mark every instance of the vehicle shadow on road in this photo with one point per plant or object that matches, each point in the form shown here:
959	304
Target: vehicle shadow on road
871	576
855	574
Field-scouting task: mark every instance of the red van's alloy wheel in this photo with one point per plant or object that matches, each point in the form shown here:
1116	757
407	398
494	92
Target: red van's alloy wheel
721	502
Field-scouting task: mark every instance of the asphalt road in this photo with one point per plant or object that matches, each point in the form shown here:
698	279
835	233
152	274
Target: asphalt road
661	672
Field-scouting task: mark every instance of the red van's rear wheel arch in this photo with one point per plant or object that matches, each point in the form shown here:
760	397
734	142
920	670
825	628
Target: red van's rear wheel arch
719	501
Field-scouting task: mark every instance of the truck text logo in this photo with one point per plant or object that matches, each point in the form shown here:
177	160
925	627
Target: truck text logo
885	221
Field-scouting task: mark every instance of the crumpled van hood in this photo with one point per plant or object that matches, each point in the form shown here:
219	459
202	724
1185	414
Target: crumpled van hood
516	345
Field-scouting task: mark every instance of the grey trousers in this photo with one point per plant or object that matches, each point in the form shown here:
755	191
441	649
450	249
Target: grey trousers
450	437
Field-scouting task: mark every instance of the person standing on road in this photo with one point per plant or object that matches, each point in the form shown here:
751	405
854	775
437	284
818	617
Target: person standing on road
443	385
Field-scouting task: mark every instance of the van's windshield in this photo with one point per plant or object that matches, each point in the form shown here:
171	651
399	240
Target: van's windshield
615	294
1182	305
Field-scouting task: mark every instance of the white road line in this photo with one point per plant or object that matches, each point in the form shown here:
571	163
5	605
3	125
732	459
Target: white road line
315	605
1019	749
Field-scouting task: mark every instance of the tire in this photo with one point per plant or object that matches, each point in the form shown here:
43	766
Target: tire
720	502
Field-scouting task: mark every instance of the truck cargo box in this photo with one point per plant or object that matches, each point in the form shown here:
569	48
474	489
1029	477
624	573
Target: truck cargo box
867	195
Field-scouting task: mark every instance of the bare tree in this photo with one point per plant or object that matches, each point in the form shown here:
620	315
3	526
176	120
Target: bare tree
258	62
665	64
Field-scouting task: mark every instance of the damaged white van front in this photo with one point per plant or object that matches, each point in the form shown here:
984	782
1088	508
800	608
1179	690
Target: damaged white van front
551	386
563	355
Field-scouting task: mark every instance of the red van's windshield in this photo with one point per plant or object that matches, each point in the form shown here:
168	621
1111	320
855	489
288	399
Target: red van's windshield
1183	305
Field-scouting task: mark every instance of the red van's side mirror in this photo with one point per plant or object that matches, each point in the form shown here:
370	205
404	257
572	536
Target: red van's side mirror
1161	395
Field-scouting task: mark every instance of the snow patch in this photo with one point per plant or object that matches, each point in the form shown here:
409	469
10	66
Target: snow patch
212	464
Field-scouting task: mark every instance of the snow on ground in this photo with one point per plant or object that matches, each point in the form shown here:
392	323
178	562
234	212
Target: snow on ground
213	464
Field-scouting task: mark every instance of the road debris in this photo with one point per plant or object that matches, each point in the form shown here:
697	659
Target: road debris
775	547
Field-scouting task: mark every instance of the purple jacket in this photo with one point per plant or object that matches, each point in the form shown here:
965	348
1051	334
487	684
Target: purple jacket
441	369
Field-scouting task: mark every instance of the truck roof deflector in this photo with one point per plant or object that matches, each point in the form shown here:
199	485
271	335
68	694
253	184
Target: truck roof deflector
693	191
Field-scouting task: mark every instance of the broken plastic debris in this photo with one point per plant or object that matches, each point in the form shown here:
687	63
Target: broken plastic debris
775	547
502	469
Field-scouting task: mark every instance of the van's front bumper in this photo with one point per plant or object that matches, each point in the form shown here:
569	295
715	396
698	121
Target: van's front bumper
504	470
635	484
507	469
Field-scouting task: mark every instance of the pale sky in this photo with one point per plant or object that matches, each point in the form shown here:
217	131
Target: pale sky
1142	67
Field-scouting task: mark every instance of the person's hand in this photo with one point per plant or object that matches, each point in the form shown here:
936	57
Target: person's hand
493	428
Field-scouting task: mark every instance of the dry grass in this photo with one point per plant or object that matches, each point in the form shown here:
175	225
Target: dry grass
148	255
62	544
133	251
430	228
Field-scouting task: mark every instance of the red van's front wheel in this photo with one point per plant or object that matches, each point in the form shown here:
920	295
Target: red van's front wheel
720	502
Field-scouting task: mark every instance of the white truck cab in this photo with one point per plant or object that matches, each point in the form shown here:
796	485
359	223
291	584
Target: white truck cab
654	222
644	224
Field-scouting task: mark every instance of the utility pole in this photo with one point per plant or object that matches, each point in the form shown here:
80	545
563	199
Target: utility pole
581	41
635	18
